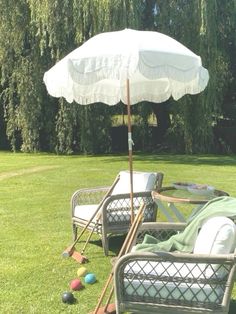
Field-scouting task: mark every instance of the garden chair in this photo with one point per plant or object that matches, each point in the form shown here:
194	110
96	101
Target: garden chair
179	282
112	214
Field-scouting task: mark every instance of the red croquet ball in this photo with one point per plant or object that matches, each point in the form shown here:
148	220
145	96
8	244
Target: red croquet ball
76	284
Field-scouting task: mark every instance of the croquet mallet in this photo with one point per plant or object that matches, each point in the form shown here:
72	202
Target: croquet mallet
70	251
124	249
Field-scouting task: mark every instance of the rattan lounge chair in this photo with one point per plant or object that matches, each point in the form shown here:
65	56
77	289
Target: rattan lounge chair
115	211
174	283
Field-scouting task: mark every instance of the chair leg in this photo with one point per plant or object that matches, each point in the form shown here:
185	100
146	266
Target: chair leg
105	244
74	231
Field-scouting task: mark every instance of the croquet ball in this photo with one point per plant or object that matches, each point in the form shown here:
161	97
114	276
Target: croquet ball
90	278
76	284
68	297
81	272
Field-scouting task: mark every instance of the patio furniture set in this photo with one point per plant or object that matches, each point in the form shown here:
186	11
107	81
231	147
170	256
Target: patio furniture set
198	279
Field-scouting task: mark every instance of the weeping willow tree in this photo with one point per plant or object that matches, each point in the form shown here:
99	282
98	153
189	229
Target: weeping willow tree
193	117
226	20
34	35
206	106
197	114
210	102
62	26
19	61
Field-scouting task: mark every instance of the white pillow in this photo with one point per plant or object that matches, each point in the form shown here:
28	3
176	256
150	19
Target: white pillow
142	181
217	236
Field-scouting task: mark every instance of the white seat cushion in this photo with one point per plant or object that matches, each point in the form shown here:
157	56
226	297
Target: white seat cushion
85	212
217	236
142	181
163	288
170	291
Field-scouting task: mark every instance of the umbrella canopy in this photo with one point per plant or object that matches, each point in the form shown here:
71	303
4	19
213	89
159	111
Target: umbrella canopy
156	65
128	66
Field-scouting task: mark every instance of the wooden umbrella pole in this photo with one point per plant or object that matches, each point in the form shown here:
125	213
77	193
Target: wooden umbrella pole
124	249
130	144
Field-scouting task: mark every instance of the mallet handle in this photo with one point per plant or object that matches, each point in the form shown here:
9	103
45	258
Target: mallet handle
124	249
68	251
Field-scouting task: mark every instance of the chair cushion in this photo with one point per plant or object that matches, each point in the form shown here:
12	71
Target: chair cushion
142	181
217	236
162	280
85	212
172	291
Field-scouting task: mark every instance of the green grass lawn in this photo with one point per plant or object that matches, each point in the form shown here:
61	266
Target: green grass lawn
35	191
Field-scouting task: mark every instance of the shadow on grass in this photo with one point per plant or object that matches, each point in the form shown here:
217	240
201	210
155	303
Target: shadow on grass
213	160
115	243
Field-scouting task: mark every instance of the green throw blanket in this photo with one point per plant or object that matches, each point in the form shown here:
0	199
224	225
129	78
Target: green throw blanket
184	241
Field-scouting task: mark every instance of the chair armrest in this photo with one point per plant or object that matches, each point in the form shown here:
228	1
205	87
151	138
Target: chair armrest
177	257
160	230
126	196
117	208
88	196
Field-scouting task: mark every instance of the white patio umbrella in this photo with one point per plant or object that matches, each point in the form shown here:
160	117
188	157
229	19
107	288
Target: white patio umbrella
129	66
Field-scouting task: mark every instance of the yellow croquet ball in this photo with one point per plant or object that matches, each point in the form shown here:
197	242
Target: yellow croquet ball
81	272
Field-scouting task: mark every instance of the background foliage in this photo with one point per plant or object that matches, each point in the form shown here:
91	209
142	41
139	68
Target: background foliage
36	34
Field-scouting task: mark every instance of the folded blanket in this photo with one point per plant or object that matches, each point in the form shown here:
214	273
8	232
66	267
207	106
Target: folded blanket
184	241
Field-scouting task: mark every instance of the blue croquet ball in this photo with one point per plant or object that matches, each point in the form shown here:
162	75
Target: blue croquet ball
90	278
67	297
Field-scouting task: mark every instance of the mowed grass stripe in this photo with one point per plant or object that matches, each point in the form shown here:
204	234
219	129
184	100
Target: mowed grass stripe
20	172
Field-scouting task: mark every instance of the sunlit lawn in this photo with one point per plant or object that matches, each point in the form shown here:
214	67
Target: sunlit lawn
35	193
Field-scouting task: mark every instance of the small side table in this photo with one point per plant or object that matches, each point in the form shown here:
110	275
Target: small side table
173	197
